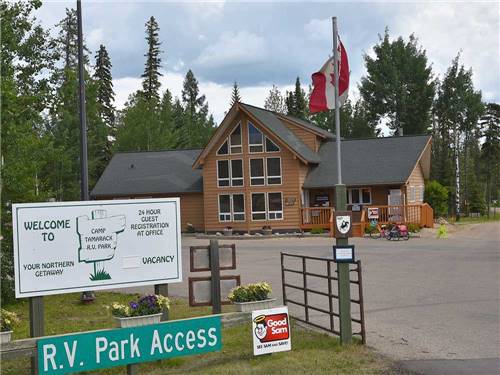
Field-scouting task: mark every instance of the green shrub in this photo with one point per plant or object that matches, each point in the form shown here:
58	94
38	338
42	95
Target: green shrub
414	228
317	230
437	197
8	320
442	231
250	292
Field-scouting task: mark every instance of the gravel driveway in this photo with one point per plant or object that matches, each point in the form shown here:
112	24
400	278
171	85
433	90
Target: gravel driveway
424	298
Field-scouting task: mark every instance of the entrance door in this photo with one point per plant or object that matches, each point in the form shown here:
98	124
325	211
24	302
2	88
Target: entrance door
395	199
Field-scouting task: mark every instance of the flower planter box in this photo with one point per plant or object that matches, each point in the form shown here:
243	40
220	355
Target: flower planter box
267	232
228	232
135	321
5	336
254	305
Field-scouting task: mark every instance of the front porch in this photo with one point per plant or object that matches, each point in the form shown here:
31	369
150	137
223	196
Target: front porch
322	217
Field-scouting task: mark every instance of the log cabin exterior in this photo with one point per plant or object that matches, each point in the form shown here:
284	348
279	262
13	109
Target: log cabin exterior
262	168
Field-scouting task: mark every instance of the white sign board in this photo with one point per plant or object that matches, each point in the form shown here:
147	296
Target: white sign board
271	331
343	254
63	247
372	212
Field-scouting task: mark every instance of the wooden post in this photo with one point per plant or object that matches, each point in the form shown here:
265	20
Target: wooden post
162	290
36	325
215	274
132	369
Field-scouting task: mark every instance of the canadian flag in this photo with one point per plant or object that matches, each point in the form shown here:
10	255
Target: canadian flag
322	96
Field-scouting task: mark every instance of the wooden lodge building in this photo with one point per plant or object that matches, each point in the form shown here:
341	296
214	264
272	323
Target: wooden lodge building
262	168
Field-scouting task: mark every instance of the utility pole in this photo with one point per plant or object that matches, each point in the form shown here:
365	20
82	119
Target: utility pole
341	205
84	170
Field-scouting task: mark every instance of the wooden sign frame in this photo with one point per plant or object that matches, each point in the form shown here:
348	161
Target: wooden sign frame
192	280
193	268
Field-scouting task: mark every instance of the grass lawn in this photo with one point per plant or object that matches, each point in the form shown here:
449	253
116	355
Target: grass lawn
312	352
477	220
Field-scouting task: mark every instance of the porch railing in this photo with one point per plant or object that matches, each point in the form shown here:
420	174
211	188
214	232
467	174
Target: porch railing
316	217
322	217
419	214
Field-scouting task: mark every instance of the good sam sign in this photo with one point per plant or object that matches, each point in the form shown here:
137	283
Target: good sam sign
271	331
75	246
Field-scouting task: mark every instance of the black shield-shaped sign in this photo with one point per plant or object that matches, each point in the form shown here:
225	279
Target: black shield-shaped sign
343	224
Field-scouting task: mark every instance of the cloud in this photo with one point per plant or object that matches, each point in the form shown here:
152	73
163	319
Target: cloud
95	38
218	95
317	29
446	29
234	48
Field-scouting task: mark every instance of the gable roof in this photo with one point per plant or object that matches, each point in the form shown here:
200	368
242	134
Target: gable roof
150	172
273	122
370	161
275	125
303	123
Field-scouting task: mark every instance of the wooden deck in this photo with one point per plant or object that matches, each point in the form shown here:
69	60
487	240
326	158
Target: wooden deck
322	217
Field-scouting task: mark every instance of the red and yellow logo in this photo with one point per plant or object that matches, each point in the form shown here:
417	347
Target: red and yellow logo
272	327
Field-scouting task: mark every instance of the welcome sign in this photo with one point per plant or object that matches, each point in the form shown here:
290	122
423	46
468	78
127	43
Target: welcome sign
76	246
119	347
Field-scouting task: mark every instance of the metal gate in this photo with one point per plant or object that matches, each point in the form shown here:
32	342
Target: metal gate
308	289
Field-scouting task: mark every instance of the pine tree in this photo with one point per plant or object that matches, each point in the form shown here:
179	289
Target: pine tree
64	112
235	95
106	132
151	76
301	109
274	101
490	152
399	86
197	125
290	103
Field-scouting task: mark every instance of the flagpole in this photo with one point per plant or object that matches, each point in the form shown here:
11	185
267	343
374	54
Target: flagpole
336	91
343	278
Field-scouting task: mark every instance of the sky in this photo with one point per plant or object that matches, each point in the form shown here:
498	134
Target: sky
259	44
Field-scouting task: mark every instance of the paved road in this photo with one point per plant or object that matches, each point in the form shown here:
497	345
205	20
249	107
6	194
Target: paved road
425	298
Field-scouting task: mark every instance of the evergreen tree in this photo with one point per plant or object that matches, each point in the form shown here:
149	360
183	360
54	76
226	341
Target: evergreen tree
151	76
64	112
197	125
399	86
490	152
301	109
105	130
274	101
235	95
290	103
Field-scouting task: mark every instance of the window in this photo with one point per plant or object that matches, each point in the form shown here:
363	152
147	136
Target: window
271	146
231	207
237	172
223	173
255	139
223	150
275	204
256	172
230	173
235	140
359	196
411	193
273	171
224	208
258	206
238	207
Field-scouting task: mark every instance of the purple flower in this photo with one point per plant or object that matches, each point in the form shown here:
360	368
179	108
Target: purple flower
133	305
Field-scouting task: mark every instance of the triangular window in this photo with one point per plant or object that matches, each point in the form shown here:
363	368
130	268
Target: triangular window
223	150
271	146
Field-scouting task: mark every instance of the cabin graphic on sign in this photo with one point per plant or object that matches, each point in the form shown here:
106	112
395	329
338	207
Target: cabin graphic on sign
98	239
